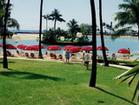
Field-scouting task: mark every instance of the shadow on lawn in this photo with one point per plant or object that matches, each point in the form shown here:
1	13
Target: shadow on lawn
117	96
28	75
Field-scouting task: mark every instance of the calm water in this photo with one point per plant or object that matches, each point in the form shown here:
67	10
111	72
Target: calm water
113	45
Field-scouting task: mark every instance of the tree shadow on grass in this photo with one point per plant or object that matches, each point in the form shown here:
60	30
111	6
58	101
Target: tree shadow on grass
114	95
28	75
8	62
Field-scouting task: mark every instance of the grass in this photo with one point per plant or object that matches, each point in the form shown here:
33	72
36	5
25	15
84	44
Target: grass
51	83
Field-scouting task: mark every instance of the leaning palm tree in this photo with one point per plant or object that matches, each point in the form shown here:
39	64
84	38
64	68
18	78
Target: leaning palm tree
56	16
94	65
40	29
132	76
73	28
129	14
101	33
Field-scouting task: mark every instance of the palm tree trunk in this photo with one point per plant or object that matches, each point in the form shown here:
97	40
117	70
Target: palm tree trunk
55	24
40	29
5	61
102	36
138	32
94	65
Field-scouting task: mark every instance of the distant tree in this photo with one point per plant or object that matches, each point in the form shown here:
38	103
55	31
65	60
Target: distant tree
94	63
46	17
129	14
56	16
53	35
85	29
73	28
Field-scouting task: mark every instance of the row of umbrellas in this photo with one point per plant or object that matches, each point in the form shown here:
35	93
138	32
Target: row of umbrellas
69	48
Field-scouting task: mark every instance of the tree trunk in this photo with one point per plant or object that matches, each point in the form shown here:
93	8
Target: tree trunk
94	65
40	29
5	61
55	24
138	32
102	36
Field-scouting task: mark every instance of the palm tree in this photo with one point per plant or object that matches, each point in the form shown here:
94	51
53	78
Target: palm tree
73	28
11	22
46	17
94	65
5	61
56	16
132	76
40	29
101	33
129	14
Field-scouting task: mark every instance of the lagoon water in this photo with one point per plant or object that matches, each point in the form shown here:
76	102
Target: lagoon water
112	44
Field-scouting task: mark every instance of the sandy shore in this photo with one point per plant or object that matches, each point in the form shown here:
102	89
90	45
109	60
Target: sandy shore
25	36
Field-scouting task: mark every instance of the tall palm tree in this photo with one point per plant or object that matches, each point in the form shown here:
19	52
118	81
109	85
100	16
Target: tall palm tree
94	65
56	16
129	14
101	33
73	28
5	61
40	29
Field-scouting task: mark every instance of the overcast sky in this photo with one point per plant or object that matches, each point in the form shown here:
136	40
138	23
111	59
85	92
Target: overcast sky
27	11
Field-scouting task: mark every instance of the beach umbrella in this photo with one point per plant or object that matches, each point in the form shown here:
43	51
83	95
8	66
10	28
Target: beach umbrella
54	47
67	47
22	46
102	48
74	49
10	46
87	48
123	51
1	45
34	47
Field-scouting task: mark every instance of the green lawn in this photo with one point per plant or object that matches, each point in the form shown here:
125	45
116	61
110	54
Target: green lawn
51	83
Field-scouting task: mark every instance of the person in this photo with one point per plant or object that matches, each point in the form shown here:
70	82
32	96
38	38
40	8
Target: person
129	53
113	56
67	56
86	60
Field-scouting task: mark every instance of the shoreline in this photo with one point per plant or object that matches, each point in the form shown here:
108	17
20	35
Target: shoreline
36	36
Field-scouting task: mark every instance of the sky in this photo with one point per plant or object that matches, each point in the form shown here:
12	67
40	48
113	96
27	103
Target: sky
26	12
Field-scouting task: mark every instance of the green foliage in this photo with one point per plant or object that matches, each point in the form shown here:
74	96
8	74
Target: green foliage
129	14
83	39
73	29
85	29
132	76
53	35
11	22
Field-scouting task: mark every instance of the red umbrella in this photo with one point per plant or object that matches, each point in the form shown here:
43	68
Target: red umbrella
1	45
123	51
34	47
74	49
54	47
66	48
102	48
10	46
87	48
22	46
